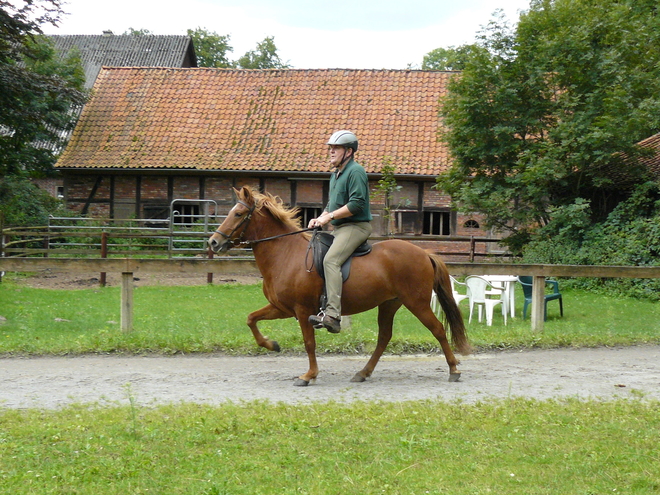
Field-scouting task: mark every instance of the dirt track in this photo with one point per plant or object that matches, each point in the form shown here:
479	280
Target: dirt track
587	373
55	382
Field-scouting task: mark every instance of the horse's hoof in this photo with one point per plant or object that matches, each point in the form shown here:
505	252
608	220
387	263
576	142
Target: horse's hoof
276	346
358	378
454	377
300	382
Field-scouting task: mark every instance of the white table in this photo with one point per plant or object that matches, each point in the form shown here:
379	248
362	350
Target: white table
508	282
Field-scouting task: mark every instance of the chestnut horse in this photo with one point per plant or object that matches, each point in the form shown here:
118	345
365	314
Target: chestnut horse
395	273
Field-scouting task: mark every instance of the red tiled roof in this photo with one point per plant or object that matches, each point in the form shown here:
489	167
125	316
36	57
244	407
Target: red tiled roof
258	120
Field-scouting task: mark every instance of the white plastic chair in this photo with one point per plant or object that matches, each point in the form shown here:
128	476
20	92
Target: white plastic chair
498	289
478	289
458	297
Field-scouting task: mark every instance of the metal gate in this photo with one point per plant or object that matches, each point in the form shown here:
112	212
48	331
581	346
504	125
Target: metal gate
191	223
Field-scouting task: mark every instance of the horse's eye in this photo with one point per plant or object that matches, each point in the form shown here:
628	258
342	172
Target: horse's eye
238	214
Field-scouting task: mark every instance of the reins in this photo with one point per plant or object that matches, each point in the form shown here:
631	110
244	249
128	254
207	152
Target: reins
244	223
257	241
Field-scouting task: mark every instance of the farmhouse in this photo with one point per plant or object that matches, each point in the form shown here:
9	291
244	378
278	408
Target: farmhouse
150	136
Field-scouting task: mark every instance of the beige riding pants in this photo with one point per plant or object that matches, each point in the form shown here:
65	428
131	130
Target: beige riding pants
348	236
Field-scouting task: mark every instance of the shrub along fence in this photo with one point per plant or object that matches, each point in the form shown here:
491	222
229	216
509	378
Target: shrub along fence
128	267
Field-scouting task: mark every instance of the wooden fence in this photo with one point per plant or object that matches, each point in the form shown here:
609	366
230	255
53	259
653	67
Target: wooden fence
132	239
128	267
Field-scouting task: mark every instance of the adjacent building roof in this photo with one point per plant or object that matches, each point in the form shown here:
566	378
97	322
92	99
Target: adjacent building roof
259	120
652	163
127	50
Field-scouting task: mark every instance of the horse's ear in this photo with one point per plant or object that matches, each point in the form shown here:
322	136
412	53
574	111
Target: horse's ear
244	194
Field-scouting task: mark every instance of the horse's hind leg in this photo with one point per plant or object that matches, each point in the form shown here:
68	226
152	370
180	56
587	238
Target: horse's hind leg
430	321
268	312
386	312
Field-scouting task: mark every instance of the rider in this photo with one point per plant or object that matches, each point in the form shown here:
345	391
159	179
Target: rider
349	213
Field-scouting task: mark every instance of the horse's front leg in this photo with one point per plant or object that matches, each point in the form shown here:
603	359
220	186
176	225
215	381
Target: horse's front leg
268	312
309	340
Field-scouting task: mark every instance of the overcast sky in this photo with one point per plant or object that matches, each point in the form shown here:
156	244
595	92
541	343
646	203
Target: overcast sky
309	34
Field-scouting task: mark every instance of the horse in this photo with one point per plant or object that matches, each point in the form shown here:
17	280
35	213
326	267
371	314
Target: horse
396	273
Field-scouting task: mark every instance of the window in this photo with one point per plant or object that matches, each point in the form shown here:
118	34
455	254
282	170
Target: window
436	223
405	221
307	213
471	224
186	214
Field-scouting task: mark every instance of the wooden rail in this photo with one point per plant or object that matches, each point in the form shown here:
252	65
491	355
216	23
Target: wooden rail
230	264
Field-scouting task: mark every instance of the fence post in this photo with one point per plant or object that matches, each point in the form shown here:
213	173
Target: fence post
473	245
209	276
538	303
104	254
127	301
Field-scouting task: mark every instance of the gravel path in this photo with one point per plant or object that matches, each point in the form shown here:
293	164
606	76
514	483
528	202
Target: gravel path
602	373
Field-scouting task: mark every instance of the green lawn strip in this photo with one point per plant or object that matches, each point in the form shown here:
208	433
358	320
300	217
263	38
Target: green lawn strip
211	318
509	446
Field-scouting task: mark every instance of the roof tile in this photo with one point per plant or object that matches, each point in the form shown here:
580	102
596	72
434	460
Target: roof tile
258	120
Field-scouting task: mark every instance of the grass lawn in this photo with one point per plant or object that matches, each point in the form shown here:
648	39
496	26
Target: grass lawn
508	447
211	318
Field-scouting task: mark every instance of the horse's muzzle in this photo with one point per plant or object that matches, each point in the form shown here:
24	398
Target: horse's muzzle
219	246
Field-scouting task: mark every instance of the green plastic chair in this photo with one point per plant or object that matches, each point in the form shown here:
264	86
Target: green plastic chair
526	283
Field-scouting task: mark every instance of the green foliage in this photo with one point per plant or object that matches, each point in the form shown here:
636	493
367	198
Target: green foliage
139	32
211	48
544	112
629	236
386	187
450	58
39	91
264	57
24	205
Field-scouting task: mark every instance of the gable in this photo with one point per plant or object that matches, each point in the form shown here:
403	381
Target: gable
258	120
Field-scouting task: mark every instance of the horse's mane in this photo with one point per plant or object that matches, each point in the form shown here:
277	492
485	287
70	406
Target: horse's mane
289	216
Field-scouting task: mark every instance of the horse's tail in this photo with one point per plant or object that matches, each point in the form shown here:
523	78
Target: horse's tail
453	317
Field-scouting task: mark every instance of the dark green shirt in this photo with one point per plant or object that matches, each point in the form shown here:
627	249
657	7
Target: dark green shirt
350	188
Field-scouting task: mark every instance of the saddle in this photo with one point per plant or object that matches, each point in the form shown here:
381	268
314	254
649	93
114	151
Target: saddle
321	242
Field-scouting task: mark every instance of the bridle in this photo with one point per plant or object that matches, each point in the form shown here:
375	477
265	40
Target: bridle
244	223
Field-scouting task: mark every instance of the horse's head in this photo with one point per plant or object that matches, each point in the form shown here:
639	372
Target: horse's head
232	230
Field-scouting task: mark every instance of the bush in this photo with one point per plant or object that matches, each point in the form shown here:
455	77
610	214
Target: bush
25	205
629	236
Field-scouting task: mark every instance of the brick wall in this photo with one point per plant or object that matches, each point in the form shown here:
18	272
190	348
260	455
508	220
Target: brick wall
125	187
153	187
310	192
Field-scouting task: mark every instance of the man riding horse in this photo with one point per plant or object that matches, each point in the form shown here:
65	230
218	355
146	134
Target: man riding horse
349	213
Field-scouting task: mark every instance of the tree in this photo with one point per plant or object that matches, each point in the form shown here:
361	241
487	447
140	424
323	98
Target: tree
450	58
38	90
544	114
24	204
211	48
264	57
138	32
